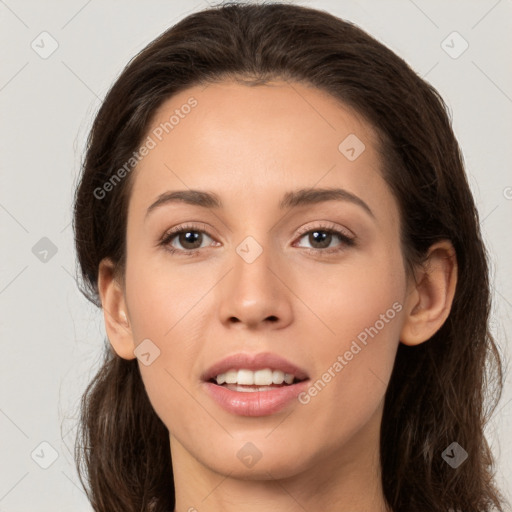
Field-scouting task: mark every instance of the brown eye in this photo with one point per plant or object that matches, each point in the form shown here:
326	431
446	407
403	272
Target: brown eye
185	240
189	239
320	237
320	240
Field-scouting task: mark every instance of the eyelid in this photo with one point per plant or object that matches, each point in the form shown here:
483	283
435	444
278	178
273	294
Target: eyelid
304	229
327	225
199	227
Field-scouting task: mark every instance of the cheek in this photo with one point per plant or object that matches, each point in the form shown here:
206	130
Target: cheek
162	298
359	295
354	357
167	307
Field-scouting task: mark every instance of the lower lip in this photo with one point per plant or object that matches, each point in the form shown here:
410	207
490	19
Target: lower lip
255	403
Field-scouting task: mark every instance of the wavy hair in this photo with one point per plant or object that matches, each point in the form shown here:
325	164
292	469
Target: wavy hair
441	391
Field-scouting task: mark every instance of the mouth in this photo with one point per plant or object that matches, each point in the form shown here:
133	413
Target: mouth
248	381
254	385
255	400
260	384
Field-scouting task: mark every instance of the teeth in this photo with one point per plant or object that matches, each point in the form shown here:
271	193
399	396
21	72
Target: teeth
288	378
245	378
277	377
264	377
248	389
230	377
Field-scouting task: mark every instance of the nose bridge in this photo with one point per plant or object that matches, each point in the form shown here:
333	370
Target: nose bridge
253	291
252	261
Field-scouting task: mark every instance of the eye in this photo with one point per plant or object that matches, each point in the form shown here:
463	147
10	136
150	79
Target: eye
322	237
189	237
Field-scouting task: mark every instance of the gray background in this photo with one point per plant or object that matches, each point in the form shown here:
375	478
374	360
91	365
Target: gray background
51	338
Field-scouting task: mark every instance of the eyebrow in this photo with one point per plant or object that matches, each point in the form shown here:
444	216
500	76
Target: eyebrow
293	199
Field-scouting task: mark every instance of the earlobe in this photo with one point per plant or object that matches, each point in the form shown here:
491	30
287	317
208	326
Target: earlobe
115	313
430	300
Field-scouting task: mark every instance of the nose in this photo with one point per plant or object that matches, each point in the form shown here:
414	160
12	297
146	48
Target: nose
255	293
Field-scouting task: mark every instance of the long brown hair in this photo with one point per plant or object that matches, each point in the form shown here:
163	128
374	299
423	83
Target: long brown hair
438	390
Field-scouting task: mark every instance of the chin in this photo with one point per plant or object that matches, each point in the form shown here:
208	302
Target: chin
251	463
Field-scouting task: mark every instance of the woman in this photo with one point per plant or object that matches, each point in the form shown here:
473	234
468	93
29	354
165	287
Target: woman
248	371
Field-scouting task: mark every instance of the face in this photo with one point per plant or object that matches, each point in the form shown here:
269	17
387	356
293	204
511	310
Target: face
270	276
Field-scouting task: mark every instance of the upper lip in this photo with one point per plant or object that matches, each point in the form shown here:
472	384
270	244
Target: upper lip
254	362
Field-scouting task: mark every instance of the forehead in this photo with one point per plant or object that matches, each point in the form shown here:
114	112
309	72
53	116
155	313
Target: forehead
240	140
262	118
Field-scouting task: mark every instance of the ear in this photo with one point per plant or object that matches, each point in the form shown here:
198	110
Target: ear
115	312
430	295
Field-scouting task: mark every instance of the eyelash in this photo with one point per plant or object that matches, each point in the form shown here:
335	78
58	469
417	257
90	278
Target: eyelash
329	229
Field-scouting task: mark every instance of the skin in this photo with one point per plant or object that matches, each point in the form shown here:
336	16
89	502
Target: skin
251	145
